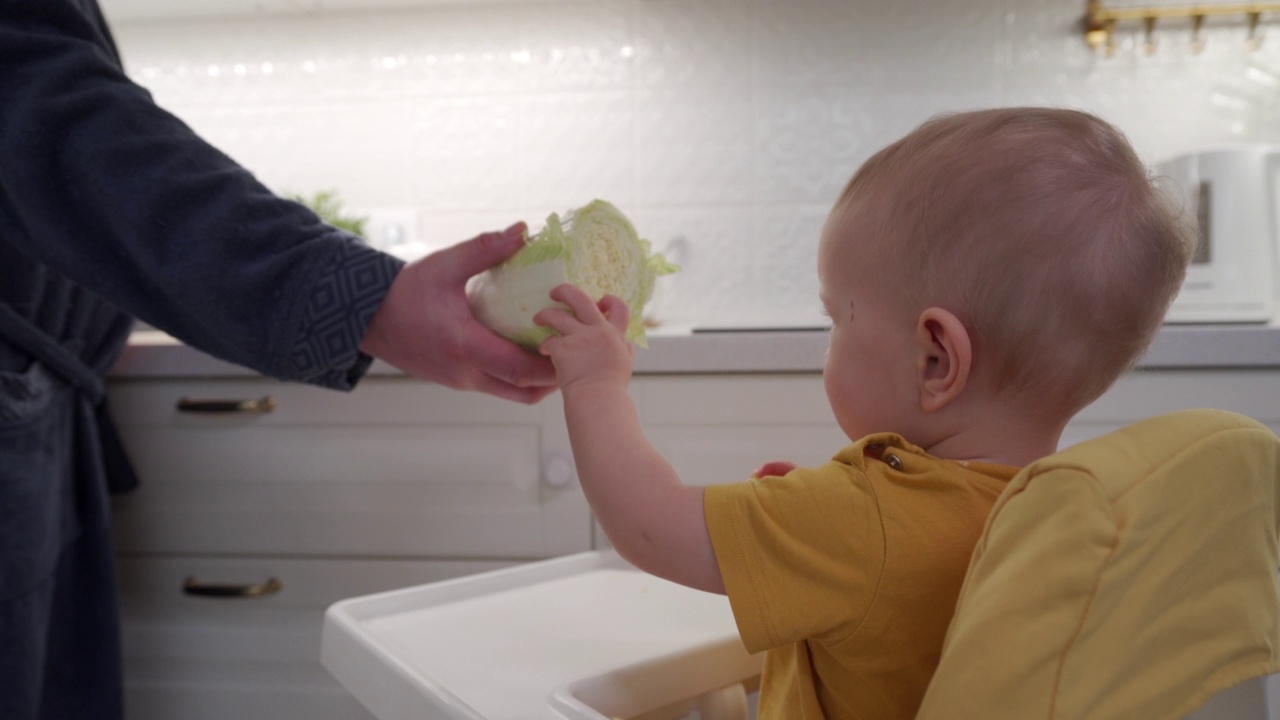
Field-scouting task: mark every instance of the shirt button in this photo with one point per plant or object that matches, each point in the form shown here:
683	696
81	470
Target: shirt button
893	461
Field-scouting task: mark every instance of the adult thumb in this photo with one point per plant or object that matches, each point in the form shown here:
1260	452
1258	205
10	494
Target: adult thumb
482	252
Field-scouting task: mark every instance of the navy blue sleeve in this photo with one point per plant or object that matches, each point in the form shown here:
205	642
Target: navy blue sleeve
100	184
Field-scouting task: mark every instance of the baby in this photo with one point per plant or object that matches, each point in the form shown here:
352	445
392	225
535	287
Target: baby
987	276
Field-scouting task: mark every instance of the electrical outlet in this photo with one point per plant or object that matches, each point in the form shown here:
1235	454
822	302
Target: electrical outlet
390	226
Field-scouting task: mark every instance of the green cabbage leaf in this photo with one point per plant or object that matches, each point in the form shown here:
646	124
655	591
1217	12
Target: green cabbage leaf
594	247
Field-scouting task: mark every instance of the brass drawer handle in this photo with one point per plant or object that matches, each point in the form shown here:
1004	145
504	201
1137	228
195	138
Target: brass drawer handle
261	405
193	586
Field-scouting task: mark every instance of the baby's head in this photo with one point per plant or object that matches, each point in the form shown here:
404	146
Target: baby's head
1035	233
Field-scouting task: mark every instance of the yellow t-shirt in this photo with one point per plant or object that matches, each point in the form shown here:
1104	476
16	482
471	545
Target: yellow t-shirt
847	574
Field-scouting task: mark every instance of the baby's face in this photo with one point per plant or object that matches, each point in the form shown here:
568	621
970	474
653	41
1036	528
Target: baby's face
869	368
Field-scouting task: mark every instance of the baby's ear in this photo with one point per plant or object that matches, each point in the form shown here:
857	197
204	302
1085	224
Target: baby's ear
944	358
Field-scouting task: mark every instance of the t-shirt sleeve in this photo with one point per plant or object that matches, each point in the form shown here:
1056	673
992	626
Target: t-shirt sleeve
801	556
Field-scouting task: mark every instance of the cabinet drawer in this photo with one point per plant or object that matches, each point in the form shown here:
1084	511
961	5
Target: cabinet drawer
396	468
251	657
720	429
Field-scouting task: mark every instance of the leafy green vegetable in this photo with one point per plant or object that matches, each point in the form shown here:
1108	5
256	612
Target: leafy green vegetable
594	247
327	205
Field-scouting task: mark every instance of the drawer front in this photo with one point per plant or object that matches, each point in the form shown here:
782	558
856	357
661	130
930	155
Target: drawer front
721	429
196	657
395	468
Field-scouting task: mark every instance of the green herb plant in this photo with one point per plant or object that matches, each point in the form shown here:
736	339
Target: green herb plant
328	206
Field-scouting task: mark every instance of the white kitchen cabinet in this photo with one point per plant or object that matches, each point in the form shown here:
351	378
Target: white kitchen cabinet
403	482
719	429
200	658
397	468
328	494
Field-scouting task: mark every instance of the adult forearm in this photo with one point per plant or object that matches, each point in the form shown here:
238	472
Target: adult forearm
114	193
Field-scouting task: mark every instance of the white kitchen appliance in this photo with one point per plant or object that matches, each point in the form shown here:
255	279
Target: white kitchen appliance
1234	192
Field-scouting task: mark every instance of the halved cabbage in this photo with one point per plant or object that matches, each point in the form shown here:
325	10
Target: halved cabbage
594	247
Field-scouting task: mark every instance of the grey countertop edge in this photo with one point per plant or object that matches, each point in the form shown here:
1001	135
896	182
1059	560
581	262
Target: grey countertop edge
153	354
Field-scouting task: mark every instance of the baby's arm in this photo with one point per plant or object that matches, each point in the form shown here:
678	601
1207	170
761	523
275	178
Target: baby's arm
650	516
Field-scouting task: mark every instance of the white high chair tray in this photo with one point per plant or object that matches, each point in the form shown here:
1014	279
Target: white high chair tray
572	637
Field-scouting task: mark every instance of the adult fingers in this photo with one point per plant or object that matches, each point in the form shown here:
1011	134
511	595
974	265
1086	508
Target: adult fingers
506	362
505	390
480	253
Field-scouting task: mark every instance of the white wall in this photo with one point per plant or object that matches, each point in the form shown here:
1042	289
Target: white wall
729	123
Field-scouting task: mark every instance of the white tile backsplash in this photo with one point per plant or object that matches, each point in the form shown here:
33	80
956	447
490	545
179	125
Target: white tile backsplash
466	153
707	43
808	140
725	128
575	146
695	146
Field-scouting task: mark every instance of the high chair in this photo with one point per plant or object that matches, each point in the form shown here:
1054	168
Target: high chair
1129	576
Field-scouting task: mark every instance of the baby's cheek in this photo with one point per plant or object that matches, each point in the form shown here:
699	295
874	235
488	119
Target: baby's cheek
843	399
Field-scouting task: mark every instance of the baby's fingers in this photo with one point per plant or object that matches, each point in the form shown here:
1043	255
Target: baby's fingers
615	311
558	319
577	301
774	468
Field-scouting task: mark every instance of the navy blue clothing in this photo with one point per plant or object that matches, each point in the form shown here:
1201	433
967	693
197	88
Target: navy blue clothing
112	208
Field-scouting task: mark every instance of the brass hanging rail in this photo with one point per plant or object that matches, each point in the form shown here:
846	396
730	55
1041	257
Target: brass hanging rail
1100	22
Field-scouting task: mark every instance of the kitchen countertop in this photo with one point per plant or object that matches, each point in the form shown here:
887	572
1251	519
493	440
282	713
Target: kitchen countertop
154	354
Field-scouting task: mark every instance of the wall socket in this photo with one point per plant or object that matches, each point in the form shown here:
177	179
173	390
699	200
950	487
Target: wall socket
388	227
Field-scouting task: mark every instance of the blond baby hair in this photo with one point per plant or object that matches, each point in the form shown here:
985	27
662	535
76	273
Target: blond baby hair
1041	230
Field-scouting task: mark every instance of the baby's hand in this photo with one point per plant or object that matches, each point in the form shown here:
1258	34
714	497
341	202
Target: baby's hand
592	344
774	467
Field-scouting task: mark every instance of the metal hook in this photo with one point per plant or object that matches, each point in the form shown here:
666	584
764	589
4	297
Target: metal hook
1100	22
1197	45
1097	32
1255	40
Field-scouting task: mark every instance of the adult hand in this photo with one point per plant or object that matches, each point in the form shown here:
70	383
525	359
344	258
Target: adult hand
591	345
425	326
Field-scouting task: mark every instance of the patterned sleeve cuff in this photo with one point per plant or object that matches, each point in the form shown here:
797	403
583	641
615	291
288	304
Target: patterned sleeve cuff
327	351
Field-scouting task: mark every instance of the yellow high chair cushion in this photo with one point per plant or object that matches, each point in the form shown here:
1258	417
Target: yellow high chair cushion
1130	576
